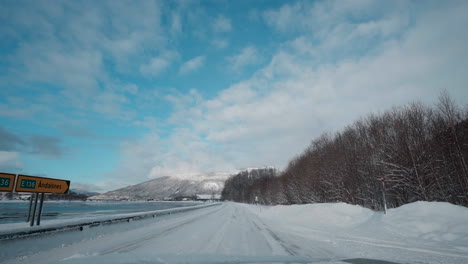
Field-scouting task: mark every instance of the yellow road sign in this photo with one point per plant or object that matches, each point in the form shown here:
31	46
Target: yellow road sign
41	185
6	182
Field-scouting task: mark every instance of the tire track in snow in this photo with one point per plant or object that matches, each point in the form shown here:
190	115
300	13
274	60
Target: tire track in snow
288	245
129	246
288	248
282	243
222	230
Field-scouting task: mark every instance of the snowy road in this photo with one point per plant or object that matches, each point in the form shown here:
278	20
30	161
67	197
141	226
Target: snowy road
209	234
228	233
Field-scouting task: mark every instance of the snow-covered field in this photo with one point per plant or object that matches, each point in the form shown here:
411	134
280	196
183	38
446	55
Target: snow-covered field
237	233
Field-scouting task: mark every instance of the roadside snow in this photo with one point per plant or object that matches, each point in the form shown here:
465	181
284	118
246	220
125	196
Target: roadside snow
430	232
428	221
434	221
11	229
421	232
320	216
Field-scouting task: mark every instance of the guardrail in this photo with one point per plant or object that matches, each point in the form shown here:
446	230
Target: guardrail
82	224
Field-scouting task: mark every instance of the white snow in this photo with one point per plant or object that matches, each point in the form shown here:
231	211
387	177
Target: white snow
208	196
430	221
213	186
429	232
203	176
421	232
23	227
249	170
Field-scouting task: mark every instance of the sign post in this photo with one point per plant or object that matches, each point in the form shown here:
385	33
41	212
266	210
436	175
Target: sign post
34	209
40	209
39	185
30	207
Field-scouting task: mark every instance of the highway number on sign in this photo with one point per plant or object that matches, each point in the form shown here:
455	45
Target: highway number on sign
6	182
28	184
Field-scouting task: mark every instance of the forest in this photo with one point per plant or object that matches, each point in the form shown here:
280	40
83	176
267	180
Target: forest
411	153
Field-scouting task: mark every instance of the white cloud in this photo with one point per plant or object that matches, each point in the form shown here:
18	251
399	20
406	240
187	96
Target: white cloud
76	71
335	24
271	117
137	157
9	160
323	16
220	43
176	23
248	56
155	66
130	88
86	187
202	158
113	105
158	64
22	110
192	65
222	24
183	154
184	106
286	18
148	122
64	47
340	60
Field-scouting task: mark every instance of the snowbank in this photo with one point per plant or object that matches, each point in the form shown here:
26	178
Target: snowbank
428	224
330	215
429	220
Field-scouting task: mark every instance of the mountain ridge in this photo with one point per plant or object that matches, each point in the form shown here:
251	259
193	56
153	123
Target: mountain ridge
168	187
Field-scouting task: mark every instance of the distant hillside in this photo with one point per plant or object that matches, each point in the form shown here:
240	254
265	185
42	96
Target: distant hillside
72	195
84	192
168	187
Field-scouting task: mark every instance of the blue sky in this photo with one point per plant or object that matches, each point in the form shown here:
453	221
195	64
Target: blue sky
111	93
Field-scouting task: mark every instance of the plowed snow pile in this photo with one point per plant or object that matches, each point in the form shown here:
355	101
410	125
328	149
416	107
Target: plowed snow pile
431	228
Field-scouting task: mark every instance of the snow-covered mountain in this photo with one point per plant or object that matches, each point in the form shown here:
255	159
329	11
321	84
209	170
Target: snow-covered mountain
168	187
84	192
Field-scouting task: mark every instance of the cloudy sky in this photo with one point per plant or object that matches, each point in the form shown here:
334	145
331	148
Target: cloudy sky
110	93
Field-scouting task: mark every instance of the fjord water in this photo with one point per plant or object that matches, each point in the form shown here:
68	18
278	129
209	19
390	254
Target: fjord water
16	211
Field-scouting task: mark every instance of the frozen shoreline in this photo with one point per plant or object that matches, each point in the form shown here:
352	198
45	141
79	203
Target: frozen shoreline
12	230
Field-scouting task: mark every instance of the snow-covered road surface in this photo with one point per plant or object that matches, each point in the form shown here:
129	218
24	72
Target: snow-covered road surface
228	233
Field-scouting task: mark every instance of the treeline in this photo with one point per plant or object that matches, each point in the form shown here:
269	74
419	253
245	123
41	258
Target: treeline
421	153
70	196
237	187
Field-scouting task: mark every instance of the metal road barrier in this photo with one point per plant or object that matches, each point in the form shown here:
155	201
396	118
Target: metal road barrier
82	224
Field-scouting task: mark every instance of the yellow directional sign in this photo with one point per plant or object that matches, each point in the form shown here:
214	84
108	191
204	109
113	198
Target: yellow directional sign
41	185
6	182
